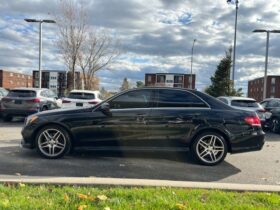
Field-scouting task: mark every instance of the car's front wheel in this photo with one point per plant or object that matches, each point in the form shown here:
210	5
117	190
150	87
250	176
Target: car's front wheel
209	148
53	142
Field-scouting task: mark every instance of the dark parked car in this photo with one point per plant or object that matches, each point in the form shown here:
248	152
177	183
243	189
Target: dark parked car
272	111
148	119
27	101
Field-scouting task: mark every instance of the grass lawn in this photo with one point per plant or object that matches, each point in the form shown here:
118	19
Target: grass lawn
21	196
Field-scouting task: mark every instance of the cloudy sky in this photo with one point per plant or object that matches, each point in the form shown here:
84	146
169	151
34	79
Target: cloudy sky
156	36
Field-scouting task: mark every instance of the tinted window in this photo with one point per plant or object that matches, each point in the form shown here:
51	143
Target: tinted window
51	94
132	99
44	93
264	104
86	96
274	103
175	98
244	103
22	93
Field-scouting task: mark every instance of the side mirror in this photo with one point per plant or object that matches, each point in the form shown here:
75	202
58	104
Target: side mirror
105	108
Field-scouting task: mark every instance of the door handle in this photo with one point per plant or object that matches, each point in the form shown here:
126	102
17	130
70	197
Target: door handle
177	121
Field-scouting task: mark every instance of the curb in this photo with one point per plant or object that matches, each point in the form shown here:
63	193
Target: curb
96	181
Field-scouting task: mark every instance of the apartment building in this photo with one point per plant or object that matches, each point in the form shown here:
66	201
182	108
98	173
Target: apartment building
170	80
12	79
255	87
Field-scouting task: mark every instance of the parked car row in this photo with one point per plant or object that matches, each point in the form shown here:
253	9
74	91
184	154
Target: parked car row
27	101
268	110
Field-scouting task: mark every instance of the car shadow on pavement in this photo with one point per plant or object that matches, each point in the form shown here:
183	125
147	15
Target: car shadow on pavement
141	165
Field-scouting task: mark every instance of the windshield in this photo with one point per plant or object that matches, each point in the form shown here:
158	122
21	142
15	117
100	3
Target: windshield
86	96
22	93
244	103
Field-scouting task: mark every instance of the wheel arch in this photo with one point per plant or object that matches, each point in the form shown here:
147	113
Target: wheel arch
216	130
72	139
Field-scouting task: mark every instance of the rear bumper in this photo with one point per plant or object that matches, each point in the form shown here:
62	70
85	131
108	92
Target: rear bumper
19	112
253	142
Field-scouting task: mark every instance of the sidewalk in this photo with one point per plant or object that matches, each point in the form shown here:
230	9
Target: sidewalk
95	181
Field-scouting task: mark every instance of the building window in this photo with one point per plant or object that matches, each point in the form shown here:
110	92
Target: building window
272	89
273	81
149	78
161	79
11	82
11	74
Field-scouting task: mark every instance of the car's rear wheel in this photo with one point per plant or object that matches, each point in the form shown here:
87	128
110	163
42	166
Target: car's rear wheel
275	125
53	142
209	148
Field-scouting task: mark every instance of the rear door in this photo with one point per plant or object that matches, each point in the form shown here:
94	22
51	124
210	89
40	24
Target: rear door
175	116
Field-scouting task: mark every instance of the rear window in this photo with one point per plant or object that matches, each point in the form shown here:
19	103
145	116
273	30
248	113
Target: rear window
22	93
85	96
244	103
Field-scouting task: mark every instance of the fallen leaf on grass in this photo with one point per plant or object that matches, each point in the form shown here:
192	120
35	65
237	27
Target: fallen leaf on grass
180	206
82	196
107	208
82	207
21	184
102	197
66	197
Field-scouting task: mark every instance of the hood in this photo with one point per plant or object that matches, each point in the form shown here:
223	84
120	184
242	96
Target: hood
63	111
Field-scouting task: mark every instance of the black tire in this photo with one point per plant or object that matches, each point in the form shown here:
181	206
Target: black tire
205	153
275	125
64	138
7	118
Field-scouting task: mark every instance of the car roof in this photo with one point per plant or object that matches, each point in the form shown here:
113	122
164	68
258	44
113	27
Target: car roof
34	89
237	98
85	91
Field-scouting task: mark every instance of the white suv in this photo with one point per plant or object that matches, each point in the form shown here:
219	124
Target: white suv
82	98
243	103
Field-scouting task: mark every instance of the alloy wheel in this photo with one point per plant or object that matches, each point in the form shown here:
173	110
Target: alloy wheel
210	149
51	142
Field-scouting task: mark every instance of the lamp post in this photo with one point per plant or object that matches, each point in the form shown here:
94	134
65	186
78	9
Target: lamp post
266	55
40	43
191	81
234	43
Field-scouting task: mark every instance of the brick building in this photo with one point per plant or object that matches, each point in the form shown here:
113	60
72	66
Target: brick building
10	79
255	87
170	80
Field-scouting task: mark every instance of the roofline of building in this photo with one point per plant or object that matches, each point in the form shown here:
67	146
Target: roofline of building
263	77
170	73
15	72
51	70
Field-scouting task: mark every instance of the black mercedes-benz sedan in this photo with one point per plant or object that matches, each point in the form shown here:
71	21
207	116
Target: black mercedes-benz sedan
148	119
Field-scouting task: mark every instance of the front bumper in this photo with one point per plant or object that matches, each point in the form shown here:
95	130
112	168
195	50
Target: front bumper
28	137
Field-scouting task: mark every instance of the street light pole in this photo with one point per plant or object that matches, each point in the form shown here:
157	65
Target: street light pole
234	42
191	81
40	44
40	54
266	56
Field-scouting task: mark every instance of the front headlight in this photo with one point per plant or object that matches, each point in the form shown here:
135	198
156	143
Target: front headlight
31	119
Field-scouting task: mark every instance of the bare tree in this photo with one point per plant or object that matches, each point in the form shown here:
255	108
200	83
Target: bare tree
81	45
97	52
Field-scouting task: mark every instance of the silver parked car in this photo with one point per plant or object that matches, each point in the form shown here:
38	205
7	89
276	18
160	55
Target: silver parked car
26	101
247	104
3	93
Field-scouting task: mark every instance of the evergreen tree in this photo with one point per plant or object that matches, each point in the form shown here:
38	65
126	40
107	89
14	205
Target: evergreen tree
125	85
221	83
139	84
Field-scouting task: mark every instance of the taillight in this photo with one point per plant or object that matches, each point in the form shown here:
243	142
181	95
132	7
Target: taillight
253	121
6	99
35	100
65	101
93	102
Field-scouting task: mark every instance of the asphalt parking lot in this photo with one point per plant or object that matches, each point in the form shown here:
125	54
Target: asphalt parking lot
262	167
